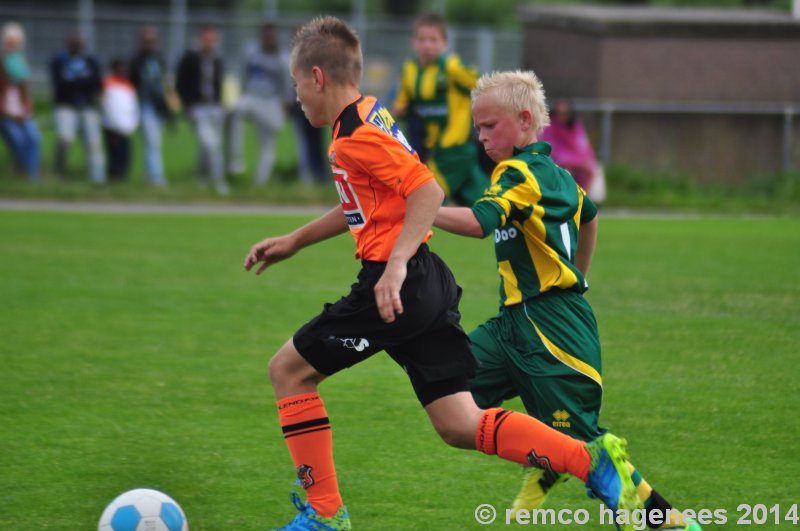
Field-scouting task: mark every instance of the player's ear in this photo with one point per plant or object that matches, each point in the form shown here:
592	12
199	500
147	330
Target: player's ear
525	118
319	77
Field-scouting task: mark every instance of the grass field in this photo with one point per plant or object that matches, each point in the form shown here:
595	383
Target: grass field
134	352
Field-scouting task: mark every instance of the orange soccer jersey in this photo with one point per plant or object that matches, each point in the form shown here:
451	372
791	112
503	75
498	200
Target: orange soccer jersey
375	170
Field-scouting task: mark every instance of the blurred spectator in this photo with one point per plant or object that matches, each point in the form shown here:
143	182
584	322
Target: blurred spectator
17	125
199	84
120	118
414	126
435	85
149	75
572	149
310	160
265	85
76	79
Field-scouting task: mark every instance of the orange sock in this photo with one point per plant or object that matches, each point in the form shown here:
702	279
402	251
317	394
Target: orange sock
308	435
527	441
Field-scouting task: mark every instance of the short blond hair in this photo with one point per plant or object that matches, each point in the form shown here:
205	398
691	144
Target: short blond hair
516	91
332	45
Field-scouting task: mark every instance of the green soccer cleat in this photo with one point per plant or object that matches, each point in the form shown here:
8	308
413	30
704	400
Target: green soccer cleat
535	488
609	479
689	526
308	520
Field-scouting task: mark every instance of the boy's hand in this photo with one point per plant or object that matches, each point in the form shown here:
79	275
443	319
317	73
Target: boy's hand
387	290
270	251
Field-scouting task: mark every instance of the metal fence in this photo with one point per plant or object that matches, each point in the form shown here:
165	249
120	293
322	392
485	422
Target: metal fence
112	31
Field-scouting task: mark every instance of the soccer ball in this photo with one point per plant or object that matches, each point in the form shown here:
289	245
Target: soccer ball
143	510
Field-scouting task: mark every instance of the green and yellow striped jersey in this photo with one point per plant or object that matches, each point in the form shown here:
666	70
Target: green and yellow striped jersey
440	94
535	209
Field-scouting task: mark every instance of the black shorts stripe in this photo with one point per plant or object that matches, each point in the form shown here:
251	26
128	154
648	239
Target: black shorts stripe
307	424
295	434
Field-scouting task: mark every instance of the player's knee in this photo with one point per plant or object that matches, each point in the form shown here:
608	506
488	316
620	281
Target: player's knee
275	369
282	370
455	435
288	371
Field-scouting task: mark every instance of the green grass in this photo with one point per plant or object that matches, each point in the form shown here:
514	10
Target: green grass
134	352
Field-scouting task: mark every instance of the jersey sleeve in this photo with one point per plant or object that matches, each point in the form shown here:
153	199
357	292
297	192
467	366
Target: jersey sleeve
588	208
462	76
385	158
510	192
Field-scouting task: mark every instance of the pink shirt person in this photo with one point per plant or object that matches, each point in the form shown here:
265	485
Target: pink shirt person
571	147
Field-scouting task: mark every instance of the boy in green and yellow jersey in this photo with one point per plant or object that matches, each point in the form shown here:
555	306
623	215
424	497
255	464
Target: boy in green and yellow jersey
435	86
543	345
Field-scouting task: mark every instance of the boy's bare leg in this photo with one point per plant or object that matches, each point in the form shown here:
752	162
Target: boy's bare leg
306	428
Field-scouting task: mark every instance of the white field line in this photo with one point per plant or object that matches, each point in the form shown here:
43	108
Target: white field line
28	205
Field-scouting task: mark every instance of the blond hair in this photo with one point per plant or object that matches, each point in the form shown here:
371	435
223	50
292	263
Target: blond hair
515	92
330	44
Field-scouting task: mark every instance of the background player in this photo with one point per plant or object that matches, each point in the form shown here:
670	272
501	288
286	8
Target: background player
435	86
543	345
405	300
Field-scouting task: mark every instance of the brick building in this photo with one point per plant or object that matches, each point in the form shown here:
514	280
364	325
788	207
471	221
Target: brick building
712	93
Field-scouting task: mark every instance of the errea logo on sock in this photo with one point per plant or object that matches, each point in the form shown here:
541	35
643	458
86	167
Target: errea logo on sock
561	419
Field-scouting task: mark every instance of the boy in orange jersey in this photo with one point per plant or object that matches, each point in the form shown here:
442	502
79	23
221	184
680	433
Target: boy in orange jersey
405	301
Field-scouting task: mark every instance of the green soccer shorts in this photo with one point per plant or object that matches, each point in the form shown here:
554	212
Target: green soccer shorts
458	172
547	352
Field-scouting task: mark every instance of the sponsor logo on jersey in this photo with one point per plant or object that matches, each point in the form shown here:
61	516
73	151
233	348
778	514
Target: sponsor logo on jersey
505	234
381	118
350	204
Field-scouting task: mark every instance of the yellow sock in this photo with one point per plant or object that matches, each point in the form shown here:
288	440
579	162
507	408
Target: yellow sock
653	500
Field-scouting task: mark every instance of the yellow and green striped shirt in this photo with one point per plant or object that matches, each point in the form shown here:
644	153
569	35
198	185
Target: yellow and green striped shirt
535	209
440	93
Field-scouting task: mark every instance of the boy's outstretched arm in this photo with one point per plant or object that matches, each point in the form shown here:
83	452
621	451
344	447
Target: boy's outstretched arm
587	239
459	220
272	250
421	207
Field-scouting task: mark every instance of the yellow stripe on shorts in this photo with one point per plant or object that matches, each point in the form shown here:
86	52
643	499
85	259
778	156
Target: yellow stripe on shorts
566	358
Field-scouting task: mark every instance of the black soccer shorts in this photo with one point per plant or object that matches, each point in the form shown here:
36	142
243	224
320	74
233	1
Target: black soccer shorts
426	339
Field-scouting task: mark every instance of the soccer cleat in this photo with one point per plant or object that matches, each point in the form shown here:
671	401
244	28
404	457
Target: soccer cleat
689	526
308	520
535	487
609	478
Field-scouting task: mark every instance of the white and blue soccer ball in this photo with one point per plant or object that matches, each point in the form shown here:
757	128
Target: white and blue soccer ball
143	510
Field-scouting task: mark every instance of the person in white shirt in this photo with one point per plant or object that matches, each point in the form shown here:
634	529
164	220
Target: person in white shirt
120	118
